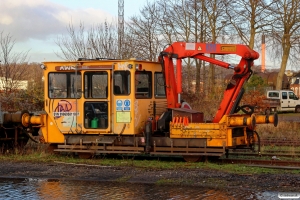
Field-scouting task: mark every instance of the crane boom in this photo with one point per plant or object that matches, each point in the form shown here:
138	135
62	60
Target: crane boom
181	50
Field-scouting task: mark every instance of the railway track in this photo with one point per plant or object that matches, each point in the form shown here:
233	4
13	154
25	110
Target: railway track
272	147
265	162
276	164
277	154
265	153
279	157
280	142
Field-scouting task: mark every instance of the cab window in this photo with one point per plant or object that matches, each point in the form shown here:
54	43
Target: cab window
121	83
292	95
284	95
64	85
143	82
274	94
95	85
159	87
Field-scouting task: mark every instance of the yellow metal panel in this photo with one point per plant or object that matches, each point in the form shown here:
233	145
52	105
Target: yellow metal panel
51	133
229	138
123	120
216	143
197	130
66	114
141	114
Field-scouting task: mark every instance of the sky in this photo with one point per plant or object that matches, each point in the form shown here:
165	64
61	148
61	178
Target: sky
35	24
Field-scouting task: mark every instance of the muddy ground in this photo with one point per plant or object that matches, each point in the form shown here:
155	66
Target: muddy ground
193	177
289	182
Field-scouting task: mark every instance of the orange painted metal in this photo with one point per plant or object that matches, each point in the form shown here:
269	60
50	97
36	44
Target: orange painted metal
181	50
179	72
31	120
263	53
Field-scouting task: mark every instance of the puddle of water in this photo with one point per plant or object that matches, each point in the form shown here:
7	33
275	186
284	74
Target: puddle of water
65	189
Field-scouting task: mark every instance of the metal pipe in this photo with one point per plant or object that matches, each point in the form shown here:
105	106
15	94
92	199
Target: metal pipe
31	120
148	135
265	119
242	121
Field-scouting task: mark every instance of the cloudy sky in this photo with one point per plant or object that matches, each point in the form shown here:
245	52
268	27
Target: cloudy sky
35	24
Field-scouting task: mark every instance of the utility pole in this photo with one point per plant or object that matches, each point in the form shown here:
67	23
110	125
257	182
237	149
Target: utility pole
120	27
263	53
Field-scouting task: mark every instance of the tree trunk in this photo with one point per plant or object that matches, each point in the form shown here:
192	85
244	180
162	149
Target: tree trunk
284	61
198	79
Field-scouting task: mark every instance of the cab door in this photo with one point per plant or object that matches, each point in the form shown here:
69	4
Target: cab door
286	102
293	100
63	101
97	103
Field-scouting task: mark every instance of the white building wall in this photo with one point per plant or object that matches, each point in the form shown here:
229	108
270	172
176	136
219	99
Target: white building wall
17	84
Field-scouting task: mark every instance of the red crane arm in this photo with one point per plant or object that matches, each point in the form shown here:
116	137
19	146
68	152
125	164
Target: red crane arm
181	50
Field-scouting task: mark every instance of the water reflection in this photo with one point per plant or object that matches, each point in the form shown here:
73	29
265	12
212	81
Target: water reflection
66	189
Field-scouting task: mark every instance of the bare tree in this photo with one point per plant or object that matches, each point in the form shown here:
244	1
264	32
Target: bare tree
73	45
248	18
214	11
176	24
103	41
32	99
141	34
198	29
13	72
285	31
99	41
183	20
12	66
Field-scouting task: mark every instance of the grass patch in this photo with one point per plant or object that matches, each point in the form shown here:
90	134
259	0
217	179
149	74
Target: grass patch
123	179
164	181
142	164
284	131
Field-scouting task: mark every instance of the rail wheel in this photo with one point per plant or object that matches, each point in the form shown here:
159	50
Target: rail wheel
297	109
22	143
188	158
83	155
7	146
8	141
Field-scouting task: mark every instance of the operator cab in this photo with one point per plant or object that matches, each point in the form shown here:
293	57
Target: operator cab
103	97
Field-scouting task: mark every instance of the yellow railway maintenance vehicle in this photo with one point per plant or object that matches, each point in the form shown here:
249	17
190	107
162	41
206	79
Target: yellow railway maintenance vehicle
132	106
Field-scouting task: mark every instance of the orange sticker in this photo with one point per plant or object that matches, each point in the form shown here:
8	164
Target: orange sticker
228	48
